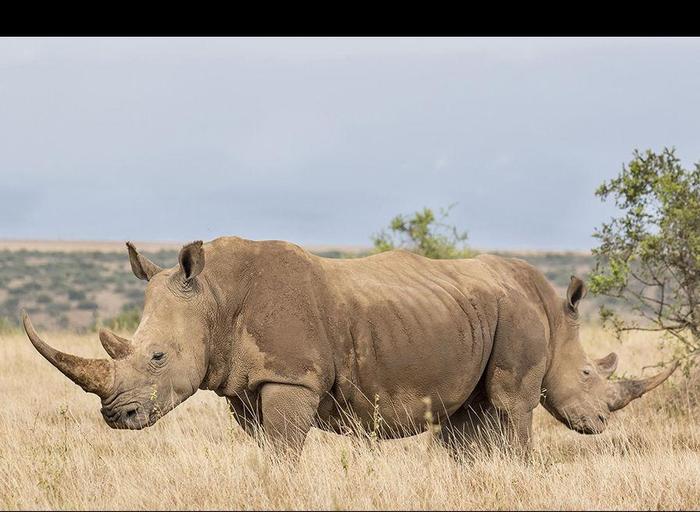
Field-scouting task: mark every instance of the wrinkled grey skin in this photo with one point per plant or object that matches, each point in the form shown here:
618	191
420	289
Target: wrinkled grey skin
290	339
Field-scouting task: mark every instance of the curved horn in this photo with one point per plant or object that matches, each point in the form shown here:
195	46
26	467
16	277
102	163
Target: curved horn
116	346
93	375
624	391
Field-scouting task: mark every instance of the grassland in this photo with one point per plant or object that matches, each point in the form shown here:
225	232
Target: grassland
57	453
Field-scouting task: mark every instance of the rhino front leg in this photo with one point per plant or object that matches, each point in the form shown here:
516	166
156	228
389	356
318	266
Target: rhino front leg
517	426
516	369
514	400
480	425
288	412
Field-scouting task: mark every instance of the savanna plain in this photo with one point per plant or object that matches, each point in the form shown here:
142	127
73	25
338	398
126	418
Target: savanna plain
56	452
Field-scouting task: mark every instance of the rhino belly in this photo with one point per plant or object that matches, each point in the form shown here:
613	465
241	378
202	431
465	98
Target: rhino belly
410	353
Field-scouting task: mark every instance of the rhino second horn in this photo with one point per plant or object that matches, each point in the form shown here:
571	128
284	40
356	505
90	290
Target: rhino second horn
116	346
607	365
624	391
93	375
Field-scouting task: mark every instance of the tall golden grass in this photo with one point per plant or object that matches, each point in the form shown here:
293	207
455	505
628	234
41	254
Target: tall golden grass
56	452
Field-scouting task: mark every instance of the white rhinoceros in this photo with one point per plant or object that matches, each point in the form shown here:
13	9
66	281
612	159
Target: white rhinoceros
292	339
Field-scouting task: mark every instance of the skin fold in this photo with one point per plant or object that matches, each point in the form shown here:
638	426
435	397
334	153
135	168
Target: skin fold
293	340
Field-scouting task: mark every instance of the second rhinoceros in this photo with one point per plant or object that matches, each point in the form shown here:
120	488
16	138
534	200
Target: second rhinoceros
292	340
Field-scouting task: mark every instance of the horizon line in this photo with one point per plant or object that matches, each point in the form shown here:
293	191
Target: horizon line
84	245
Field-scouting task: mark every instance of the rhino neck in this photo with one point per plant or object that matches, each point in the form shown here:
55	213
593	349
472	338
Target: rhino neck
269	319
541	292
229	273
557	320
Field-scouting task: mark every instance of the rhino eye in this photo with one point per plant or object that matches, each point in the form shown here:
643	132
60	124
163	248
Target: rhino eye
158	356
586	371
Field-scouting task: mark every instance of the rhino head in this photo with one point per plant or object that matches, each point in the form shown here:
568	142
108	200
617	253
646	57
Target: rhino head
576	388
165	362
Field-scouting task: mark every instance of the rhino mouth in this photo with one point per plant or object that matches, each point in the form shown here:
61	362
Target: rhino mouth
134	414
125	411
131	416
589	427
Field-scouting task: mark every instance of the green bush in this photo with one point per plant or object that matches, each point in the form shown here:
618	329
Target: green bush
127	320
57	307
76	294
424	234
87	304
11	306
649	256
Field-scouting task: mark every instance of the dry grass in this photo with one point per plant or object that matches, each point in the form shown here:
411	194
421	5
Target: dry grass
56	452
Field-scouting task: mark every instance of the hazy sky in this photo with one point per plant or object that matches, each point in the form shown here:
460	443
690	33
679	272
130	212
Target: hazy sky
324	140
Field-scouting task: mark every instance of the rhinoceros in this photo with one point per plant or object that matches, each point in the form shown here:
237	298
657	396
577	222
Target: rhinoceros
292	339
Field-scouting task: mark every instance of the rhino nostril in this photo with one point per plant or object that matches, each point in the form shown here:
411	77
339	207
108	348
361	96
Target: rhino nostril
130	413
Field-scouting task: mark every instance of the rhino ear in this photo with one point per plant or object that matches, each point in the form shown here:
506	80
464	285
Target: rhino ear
142	267
577	290
191	260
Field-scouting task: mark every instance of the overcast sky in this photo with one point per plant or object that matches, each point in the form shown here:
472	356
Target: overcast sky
322	141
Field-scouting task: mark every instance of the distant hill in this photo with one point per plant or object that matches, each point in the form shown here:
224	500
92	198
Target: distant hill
79	285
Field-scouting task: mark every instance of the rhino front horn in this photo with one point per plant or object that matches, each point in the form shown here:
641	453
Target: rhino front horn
93	375
624	391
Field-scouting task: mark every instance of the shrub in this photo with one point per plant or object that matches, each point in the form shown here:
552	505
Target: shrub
44	298
649	256
127	320
76	294
424	234
87	304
